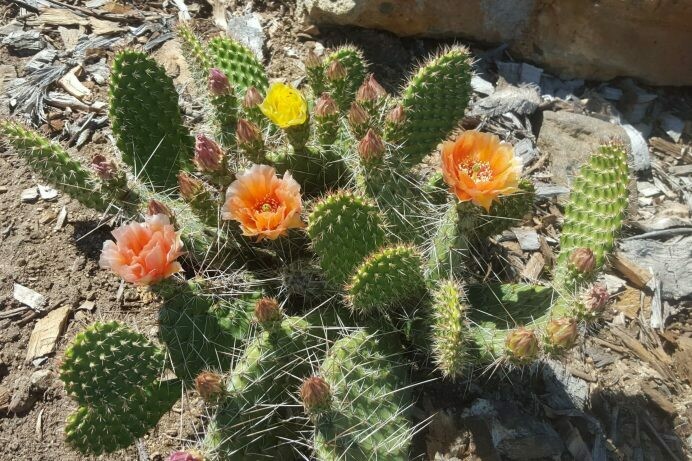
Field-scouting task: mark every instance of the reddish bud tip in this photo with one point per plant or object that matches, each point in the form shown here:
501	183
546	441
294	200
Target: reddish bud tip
218	82
522	344
562	333
208	154
583	260
326	106
247	132
370	90
336	71
397	116
596	298
104	168
185	456
267	311
312	61
315	394
190	187
357	115
155	207
252	98
209	386
371	147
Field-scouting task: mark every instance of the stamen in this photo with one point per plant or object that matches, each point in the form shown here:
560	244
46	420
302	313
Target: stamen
267	204
478	171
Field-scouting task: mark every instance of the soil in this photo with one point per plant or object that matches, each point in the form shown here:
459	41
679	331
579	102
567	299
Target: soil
62	264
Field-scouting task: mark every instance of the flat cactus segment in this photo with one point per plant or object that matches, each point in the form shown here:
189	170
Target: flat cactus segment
344	91
370	398
385	279
450	243
108	428
194	50
597	206
238	63
344	229
146	119
434	102
53	163
449	332
507	211
107	361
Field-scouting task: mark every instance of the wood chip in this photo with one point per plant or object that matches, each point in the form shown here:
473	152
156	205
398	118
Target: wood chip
39	425
47	193
527	238
29	297
640	351
70	83
629	302
29	195
60	221
58	17
660	400
633	273
534	267
87	306
100	27
46	333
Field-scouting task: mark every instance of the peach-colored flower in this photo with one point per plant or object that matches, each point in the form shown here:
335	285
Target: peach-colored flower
480	168
263	204
143	253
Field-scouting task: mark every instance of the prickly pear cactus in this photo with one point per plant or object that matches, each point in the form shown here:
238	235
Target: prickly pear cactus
146	120
238	63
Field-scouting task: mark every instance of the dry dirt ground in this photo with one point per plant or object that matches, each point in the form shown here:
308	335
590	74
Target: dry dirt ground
641	398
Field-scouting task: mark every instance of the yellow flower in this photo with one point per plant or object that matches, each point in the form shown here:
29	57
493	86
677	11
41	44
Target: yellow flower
284	106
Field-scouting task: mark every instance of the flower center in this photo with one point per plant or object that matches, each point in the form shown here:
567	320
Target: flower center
267	204
478	171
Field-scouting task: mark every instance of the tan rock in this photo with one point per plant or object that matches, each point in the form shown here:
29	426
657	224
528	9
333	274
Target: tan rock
573	38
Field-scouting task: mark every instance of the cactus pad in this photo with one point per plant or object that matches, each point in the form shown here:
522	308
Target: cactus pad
238	63
449	333
344	91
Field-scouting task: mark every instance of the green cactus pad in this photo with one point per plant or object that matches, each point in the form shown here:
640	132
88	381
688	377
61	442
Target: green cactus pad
450	335
108	428
344	229
344	92
194	51
367	420
450	243
53	164
107	361
238	63
506	212
146	119
434	102
386	279
596	208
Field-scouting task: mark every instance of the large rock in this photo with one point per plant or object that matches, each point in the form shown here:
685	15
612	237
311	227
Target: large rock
570	138
572	38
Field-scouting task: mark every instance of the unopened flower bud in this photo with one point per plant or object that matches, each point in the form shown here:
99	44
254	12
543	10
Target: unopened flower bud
218	82
253	98
583	260
312	61
370	90
371	146
190	187
522	344
267	310
315	394
185	456
247	132
397	116
104	168
357	115
336	71
326	106
208	154
155	207
562	333
596	298
209	386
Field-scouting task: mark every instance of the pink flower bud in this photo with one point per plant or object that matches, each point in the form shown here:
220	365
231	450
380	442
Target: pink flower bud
357	115
253	98
370	90
312	61
336	71
104	168
190	187
209	386
371	146
596	298
522	344
155	207
208	154
247	132
218	82
397	116
583	260
315	394
326	106
562	333
185	456
267	310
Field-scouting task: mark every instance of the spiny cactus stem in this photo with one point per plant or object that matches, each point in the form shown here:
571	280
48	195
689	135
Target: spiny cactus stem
298	136
226	114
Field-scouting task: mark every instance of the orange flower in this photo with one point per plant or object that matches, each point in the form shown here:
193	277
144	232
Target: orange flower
478	167
143	253
263	204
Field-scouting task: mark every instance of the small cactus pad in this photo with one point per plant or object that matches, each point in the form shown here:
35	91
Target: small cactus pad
107	361
344	91
449	333
434	101
367	420
146	119
385	279
238	63
344	229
